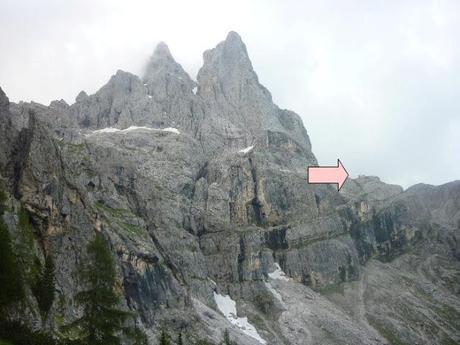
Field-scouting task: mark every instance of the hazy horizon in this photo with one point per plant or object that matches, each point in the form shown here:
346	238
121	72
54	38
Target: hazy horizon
376	83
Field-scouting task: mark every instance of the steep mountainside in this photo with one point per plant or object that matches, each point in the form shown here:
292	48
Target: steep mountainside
200	189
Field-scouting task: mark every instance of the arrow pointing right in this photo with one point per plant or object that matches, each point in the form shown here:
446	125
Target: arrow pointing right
337	175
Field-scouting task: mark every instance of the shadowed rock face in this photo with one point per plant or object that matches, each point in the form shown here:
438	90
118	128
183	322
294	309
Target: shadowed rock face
214	205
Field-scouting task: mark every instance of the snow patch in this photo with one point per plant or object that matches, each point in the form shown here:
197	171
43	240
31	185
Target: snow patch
149	96
106	130
194	90
247	149
172	130
278	273
134	128
228	307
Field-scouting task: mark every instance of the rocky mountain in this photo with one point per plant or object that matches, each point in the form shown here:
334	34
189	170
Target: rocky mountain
200	190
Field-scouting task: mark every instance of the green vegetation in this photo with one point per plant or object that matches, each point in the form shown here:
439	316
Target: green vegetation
15	332
165	338
43	288
203	342
102	321
449	314
118	216
132	229
386	332
226	339
343	273
264	302
137	336
39	278
11	280
333	289
353	272
20	268
114	212
25	228
258	321
76	148
30	263
3	198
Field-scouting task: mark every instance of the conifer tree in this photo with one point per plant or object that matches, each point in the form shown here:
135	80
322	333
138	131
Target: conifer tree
164	338
102	321
43	288
227	340
29	262
11	280
139	337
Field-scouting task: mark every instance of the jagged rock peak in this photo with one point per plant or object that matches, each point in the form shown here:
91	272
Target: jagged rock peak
122	77
162	65
59	104
164	77
81	96
162	52
161	59
234	39
231	53
4	101
227	70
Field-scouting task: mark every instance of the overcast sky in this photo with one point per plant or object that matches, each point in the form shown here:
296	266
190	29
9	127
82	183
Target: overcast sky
377	83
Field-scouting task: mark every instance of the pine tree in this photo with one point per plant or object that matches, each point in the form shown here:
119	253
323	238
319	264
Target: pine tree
43	288
139	337
202	342
29	262
3	198
179	339
101	320
227	340
11	280
164	338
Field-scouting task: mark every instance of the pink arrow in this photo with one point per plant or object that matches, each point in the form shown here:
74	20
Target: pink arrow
337	175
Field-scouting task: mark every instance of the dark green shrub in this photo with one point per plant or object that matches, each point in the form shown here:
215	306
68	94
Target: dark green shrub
165	339
43	288
11	280
226	339
17	333
264	302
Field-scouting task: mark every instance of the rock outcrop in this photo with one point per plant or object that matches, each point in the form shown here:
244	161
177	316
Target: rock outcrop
200	188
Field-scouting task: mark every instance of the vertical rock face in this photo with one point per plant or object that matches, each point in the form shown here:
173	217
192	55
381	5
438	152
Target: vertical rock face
164	97
238	108
113	104
165	78
231	88
172	89
4	102
5	127
200	188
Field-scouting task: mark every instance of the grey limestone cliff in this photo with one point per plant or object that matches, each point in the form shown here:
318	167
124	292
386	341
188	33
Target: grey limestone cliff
200	188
